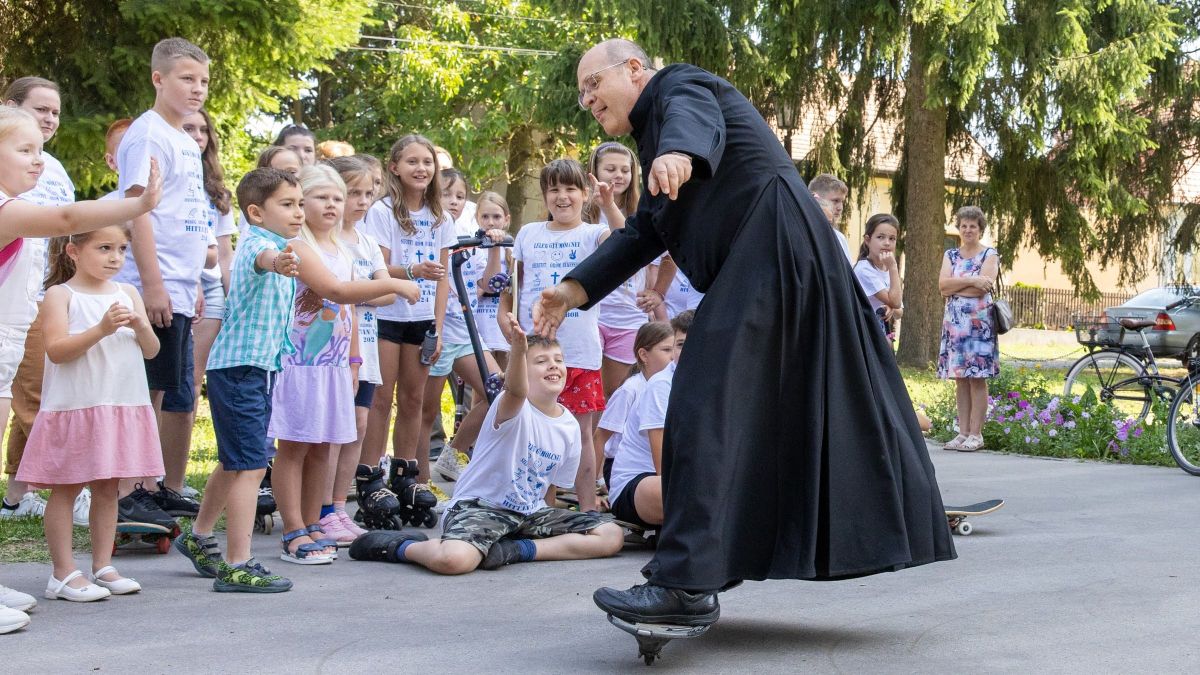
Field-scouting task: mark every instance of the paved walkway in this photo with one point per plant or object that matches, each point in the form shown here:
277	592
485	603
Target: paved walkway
1089	568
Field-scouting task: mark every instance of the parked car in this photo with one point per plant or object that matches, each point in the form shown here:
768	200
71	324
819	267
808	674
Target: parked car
1176	332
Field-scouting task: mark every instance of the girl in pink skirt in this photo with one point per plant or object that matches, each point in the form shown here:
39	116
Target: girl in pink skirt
96	425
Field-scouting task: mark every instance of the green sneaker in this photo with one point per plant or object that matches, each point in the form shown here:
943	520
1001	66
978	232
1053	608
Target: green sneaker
205	553
250	577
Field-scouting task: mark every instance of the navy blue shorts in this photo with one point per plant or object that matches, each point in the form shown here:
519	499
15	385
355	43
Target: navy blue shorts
182	399
166	371
240	398
366	394
624	509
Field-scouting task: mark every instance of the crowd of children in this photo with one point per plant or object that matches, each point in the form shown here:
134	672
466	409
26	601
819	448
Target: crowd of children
334	307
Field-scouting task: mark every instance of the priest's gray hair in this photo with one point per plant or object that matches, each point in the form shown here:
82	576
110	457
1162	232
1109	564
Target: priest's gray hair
619	49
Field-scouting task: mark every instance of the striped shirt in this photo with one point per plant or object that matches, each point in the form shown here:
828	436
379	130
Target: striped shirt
258	311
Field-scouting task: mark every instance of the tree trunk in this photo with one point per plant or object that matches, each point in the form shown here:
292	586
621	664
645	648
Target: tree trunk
324	102
520	152
924	211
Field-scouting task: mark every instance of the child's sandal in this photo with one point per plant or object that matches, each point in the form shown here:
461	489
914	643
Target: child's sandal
324	539
305	554
955	444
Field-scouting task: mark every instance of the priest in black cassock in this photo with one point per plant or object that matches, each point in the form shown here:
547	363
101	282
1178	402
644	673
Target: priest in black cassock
791	447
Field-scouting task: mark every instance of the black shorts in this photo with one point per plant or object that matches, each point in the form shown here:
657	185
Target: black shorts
608	462
366	394
623	508
404	332
168	370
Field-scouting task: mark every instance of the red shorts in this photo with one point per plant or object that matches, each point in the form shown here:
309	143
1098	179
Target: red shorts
584	392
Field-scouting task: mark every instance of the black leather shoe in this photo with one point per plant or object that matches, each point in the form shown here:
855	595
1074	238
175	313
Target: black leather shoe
381	545
648	603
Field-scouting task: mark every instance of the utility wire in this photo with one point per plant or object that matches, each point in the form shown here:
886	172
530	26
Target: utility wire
458	45
493	15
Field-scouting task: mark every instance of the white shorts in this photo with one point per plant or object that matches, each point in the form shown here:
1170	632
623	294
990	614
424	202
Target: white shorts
12	350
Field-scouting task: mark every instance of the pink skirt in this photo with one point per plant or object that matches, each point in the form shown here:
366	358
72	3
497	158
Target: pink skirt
70	447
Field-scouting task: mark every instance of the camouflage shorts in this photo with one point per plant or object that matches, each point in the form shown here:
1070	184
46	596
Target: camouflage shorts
482	524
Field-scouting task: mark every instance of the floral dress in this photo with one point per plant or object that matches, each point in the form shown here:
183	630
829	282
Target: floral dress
968	347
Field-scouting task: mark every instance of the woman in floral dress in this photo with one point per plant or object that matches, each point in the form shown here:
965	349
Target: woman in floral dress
969	353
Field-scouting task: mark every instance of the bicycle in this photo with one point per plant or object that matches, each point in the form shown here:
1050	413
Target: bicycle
1125	376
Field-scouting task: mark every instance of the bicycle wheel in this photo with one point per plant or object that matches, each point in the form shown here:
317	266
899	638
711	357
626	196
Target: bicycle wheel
1183	433
1118	379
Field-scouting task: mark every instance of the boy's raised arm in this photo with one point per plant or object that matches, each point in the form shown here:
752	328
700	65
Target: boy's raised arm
516	380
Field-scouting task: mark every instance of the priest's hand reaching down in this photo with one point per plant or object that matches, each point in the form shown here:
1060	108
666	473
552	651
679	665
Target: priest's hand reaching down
552	307
668	173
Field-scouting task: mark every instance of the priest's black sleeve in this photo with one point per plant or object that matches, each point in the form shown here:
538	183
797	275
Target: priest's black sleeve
694	125
626	251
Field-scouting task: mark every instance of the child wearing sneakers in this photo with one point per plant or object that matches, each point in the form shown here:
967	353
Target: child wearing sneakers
636	486
171	244
499	515
241	367
544	254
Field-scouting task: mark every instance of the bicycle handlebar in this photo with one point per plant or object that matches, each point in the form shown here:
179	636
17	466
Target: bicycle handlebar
1178	303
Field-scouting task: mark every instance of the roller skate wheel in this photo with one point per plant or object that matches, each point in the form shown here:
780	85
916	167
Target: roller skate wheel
429	520
964	528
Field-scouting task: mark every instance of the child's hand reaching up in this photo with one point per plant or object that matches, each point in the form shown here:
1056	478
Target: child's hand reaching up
602	190
516	335
154	184
117	315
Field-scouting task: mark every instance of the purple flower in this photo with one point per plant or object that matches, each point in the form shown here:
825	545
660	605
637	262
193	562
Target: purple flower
1020	415
1085	415
1137	433
1007	430
1058	419
1023	404
1028	439
1069	424
1014	394
1000	418
1052	433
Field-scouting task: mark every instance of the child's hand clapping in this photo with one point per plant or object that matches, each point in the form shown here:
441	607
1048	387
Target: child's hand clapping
154	184
117	315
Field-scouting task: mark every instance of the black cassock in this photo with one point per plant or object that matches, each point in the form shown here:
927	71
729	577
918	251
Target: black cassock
791	448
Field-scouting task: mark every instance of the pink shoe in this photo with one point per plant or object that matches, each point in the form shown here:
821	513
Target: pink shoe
333	528
349	524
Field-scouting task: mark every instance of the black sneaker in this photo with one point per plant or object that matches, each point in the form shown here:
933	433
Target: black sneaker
174	503
381	545
139	507
503	552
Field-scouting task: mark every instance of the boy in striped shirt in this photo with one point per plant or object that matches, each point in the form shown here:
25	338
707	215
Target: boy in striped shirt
240	371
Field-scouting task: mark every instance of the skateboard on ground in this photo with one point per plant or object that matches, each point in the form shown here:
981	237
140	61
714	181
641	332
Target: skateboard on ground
957	515
143	537
651	637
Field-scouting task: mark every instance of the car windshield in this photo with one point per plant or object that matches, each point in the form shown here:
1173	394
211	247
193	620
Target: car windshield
1160	297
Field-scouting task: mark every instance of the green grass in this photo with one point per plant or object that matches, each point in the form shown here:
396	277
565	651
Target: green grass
22	540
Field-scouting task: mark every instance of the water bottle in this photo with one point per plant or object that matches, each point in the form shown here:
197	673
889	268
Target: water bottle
428	345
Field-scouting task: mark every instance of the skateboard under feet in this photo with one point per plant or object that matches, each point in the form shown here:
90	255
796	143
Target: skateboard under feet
651	637
144	536
957	516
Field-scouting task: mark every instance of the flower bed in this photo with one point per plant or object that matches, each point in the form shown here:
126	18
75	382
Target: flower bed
1027	416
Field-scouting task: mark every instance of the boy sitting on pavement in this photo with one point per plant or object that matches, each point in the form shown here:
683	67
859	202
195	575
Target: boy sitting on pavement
500	514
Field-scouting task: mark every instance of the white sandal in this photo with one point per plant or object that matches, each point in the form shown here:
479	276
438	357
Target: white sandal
955	444
973	443
59	590
122	586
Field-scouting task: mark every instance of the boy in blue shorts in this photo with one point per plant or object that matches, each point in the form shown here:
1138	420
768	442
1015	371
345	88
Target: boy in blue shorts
241	367
500	515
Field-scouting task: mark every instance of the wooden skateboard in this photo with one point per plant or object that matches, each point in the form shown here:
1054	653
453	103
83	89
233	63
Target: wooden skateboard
144	537
651	637
957	516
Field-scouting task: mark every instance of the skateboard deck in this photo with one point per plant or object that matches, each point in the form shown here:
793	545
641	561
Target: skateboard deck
144	536
651	637
957	516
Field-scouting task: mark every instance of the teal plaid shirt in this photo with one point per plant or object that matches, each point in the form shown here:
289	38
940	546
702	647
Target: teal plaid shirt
258	311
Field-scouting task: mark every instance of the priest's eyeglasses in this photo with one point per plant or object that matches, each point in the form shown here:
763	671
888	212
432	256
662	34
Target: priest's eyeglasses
592	81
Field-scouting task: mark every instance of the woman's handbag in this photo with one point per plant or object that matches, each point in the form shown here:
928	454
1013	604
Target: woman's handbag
1002	314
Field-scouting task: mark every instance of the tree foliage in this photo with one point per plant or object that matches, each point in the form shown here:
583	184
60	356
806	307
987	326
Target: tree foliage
98	51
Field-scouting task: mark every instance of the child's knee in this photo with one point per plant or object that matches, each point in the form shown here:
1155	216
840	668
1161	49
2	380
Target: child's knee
456	560
611	537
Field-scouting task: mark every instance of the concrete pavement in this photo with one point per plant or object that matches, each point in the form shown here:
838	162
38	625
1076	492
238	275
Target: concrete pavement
1089	568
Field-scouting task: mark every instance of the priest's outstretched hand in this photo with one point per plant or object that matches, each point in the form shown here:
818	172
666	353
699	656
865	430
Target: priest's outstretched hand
668	173
552	307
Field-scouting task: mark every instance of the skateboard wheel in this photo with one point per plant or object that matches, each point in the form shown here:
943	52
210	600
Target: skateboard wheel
964	528
162	544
